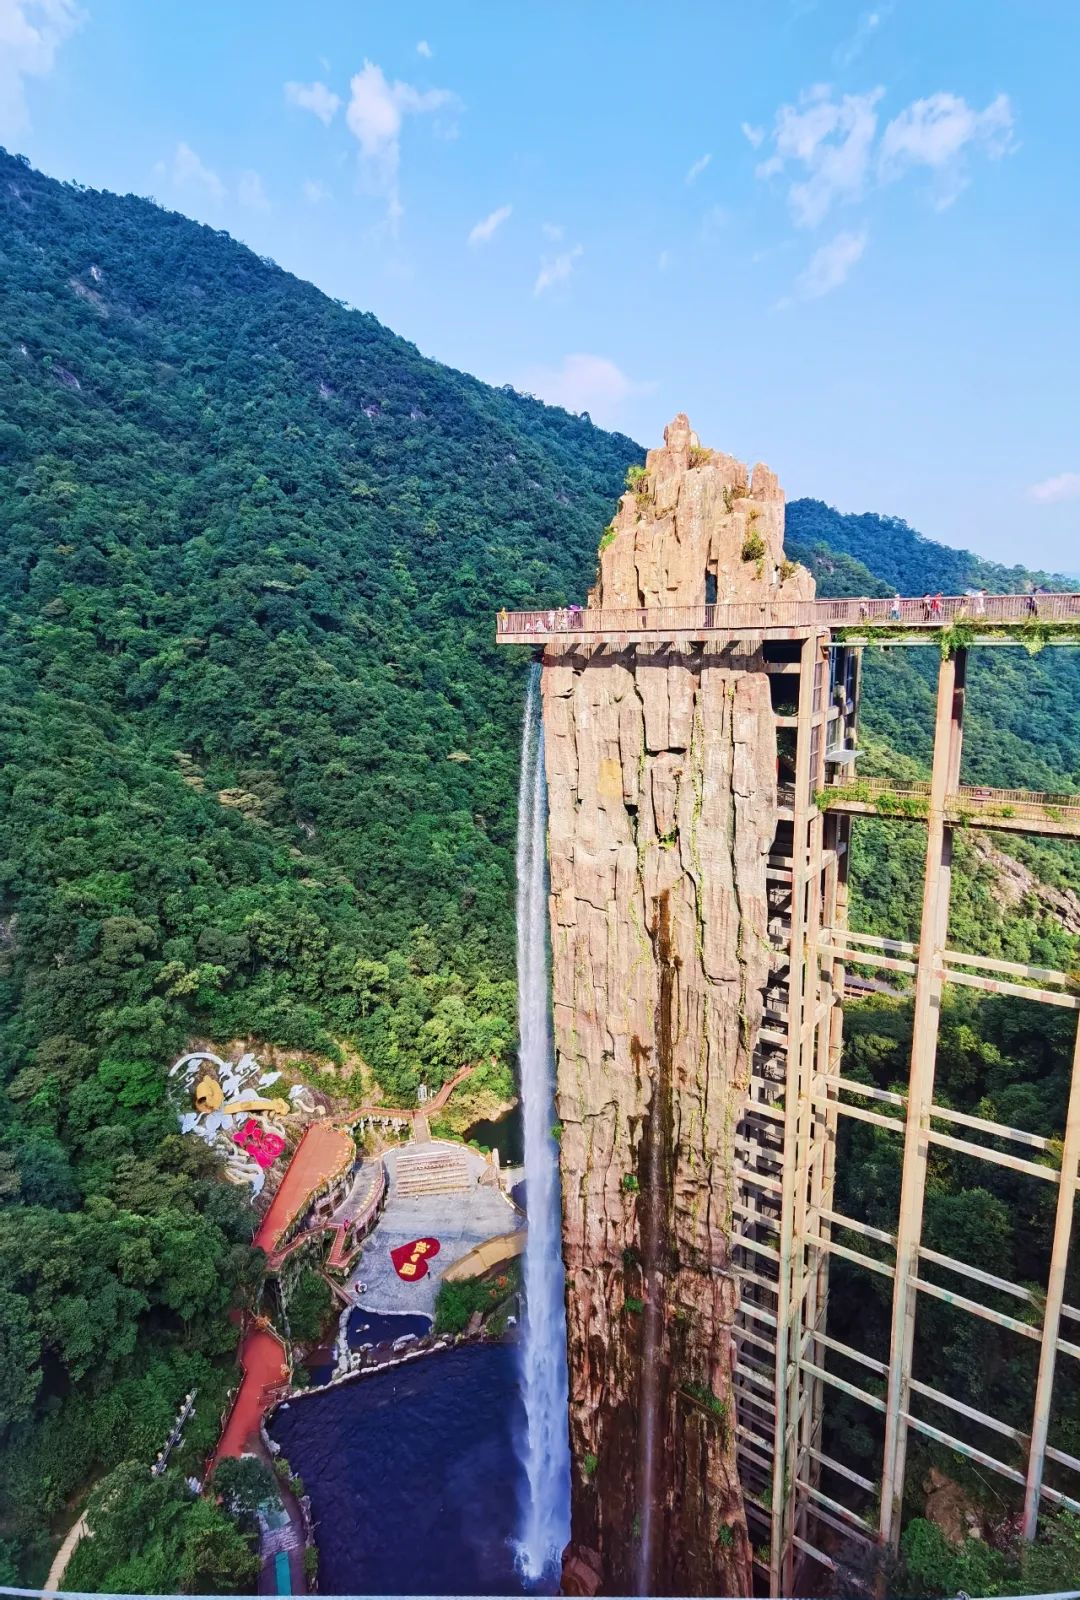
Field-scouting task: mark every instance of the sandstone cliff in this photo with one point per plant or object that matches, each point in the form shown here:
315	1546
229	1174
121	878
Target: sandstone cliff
661	767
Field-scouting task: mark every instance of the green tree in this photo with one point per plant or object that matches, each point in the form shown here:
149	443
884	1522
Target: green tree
310	1304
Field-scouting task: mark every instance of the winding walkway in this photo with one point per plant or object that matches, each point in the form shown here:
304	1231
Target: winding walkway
262	1355
418	1114
65	1553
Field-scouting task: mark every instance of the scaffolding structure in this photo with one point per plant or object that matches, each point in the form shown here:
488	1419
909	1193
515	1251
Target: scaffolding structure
786	1220
786	1226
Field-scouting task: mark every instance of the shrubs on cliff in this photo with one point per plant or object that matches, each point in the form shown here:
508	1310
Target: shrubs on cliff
457	1303
936	1567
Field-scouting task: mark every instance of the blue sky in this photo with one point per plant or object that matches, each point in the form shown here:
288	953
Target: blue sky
842	236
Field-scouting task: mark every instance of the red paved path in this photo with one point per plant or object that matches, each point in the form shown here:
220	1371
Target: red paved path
265	1368
323	1152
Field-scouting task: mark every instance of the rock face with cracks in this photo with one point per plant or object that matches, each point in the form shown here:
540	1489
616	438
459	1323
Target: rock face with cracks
661	768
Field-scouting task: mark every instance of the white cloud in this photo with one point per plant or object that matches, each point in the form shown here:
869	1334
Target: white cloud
755	135
865	29
714	222
584	383
697	168
829	266
314	97
831	140
424	49
31	33
375	114
188	173
315	191
250	192
556	269
484	230
552	230
1066	486
664	260
938	133
830	146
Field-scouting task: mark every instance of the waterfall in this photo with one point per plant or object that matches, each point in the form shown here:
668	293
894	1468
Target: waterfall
546	1521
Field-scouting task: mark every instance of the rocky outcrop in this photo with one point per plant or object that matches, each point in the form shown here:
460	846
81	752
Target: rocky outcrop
1016	886
661	767
951	1508
696	516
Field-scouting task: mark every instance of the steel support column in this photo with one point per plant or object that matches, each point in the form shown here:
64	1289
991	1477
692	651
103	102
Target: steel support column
933	929
1055	1294
781	1556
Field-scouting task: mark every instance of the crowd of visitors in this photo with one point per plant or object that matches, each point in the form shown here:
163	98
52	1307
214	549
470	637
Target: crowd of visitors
932	608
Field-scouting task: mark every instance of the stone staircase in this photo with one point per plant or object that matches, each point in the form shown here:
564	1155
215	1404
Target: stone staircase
432	1172
274	1539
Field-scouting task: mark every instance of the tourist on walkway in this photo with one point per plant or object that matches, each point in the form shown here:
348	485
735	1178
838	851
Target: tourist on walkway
935	606
894	609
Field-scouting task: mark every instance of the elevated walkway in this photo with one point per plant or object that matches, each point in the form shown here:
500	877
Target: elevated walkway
1007	810
977	619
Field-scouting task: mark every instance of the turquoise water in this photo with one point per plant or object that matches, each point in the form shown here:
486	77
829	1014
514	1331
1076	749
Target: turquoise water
413	1474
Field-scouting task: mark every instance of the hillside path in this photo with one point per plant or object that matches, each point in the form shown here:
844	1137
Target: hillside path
64	1554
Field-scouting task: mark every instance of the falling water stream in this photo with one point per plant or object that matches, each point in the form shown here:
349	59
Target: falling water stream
546	1522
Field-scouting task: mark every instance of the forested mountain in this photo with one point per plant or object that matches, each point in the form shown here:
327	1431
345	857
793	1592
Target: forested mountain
901	558
260	758
1021	730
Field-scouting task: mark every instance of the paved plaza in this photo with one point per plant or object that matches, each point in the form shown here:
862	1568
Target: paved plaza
460	1219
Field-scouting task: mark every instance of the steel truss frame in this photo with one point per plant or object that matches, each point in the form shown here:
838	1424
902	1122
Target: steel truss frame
785	1223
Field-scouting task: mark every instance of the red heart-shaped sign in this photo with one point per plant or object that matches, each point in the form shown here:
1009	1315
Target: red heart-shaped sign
411	1260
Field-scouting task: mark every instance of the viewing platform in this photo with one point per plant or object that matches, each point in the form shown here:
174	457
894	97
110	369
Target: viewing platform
982	619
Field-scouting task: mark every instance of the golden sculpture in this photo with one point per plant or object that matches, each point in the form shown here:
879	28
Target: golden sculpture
209	1096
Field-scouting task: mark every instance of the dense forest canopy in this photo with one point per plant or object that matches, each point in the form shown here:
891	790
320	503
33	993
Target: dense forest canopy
260	759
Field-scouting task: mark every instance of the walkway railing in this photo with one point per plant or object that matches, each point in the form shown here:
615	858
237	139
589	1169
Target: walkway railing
992	610
912	798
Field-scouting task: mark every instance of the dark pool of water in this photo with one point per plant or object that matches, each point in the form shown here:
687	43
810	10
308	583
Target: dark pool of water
505	1134
371	1327
413	1475
364	1328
